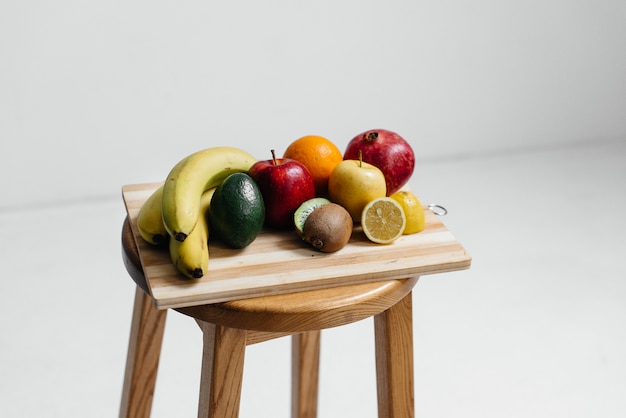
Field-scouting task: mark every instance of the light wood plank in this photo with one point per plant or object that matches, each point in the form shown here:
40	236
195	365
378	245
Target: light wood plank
278	262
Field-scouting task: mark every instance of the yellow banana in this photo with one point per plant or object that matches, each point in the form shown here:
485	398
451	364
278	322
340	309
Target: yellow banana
192	176
150	219
191	257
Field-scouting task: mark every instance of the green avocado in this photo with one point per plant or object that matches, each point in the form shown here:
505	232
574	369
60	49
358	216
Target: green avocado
237	211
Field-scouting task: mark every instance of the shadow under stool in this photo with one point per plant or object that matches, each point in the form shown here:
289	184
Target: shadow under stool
228	327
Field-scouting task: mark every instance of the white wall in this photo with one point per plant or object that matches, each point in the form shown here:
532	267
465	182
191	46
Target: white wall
94	95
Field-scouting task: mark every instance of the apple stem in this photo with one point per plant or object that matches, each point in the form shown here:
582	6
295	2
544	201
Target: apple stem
274	157
360	159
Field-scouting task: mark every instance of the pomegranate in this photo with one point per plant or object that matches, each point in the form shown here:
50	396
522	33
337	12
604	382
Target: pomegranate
386	150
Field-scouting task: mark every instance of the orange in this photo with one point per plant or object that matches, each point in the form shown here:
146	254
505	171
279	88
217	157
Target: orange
383	220
319	155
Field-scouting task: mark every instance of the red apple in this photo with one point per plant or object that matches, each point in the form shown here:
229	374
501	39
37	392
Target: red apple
285	184
386	150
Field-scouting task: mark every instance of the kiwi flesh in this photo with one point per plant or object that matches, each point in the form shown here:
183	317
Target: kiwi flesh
305	209
328	228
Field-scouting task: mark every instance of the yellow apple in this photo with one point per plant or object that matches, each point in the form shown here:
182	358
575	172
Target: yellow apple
354	183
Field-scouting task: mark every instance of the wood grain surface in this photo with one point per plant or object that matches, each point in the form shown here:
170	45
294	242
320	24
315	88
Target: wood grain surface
279	262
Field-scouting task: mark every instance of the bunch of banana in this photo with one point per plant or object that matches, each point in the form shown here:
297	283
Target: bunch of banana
177	210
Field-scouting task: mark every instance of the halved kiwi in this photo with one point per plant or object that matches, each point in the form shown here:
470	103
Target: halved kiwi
305	209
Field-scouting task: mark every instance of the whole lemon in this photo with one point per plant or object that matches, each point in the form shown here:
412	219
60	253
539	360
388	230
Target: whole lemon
413	210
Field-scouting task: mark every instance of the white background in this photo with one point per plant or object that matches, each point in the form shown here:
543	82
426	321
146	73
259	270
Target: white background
94	95
516	111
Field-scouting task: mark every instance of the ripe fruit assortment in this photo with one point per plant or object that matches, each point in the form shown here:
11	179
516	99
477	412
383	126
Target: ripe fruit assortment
312	189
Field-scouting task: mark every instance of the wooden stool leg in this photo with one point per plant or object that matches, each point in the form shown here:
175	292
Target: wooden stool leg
142	362
305	360
222	371
394	360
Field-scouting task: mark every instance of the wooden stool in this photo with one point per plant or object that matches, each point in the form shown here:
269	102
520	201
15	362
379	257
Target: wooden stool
227	328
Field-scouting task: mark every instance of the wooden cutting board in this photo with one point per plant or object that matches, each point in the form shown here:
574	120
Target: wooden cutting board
280	262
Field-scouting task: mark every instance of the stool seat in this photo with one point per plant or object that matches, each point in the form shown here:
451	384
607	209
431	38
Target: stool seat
228	327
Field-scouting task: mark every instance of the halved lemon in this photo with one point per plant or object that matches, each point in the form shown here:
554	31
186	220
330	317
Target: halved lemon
383	220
